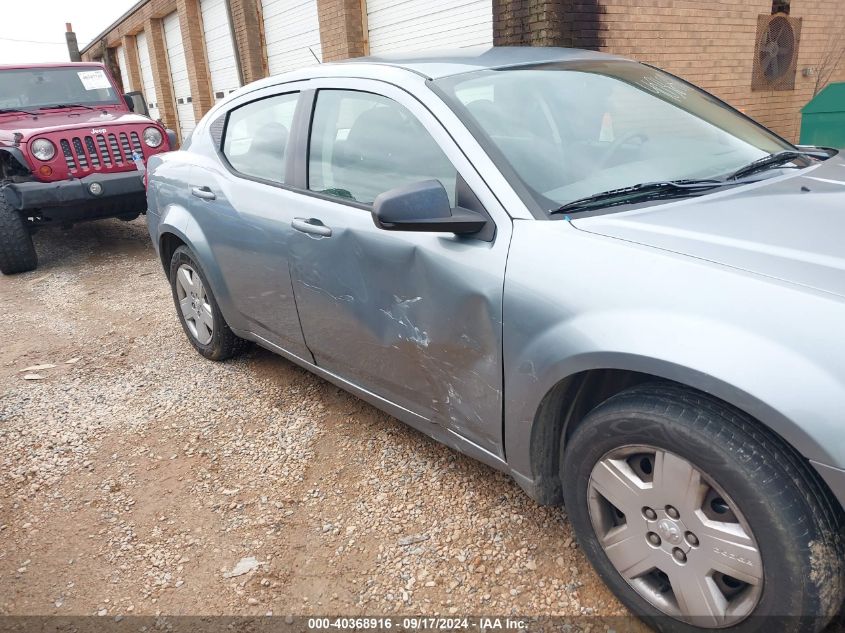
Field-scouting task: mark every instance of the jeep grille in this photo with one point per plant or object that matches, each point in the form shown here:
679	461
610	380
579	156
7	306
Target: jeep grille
89	153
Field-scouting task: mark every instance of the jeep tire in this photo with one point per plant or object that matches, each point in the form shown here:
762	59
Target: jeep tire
17	253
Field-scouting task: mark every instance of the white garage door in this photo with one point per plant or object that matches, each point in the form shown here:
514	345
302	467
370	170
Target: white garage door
179	74
290	30
396	25
222	62
124	73
148	87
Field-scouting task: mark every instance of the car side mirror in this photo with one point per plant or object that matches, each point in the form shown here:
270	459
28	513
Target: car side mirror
136	103
424	206
171	139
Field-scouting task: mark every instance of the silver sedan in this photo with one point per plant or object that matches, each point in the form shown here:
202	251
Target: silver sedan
575	268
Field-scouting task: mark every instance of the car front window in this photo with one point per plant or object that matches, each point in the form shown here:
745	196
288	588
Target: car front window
33	88
363	144
572	130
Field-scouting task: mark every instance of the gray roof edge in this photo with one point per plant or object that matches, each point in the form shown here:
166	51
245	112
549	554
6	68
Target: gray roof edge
437	64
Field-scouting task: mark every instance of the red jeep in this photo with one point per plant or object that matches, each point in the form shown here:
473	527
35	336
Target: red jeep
72	148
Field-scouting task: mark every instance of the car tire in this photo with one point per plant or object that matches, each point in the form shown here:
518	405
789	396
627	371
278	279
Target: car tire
764	492
129	217
17	252
198	311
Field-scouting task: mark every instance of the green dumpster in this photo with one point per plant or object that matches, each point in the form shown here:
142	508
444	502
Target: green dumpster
823	119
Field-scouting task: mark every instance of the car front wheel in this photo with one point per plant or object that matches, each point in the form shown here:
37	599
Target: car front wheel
699	518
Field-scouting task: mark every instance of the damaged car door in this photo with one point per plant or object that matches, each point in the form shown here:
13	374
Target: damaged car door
414	317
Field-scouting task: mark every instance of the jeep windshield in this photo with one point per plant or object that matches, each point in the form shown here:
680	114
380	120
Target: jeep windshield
31	89
575	130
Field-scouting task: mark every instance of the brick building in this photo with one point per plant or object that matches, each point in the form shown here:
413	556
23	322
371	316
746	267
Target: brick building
766	58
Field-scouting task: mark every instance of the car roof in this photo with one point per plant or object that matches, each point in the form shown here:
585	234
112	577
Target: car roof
430	64
50	65
436	64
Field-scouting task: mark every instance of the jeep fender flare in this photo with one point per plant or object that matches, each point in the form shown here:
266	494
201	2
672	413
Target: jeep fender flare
18	156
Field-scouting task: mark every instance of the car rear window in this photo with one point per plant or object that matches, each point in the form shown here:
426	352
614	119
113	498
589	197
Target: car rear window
256	137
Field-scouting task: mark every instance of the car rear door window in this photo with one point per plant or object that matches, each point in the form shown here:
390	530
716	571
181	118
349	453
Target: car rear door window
256	138
363	144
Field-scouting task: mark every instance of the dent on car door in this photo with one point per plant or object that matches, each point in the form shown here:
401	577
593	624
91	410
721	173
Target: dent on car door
249	209
415	318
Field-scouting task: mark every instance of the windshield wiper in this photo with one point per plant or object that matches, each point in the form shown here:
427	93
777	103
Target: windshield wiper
772	160
66	105
642	192
5	110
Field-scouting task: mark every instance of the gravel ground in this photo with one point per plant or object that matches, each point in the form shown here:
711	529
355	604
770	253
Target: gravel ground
135	475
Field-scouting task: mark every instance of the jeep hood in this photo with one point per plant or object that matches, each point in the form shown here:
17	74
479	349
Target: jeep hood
77	118
789	227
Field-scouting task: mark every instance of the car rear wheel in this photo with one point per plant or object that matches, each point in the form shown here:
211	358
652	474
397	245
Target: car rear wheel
698	518
198	311
17	252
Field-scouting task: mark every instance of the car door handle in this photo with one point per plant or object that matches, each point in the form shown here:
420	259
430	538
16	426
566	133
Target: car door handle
312	226
204	193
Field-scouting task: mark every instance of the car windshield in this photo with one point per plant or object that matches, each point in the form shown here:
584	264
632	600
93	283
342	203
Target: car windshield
572	130
33	88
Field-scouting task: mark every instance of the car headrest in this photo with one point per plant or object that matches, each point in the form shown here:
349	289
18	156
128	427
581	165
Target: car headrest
381	129
271	138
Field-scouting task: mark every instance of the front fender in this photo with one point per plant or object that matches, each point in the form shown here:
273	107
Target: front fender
771	397
762	345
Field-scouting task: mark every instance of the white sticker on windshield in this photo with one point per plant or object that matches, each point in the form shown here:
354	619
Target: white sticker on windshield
94	79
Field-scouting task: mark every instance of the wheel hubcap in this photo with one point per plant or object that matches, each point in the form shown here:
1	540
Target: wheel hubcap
676	538
194	304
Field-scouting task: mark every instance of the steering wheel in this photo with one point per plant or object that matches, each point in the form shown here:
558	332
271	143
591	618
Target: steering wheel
617	145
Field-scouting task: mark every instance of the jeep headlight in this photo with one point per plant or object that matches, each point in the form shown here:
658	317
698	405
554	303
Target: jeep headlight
153	137
43	149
